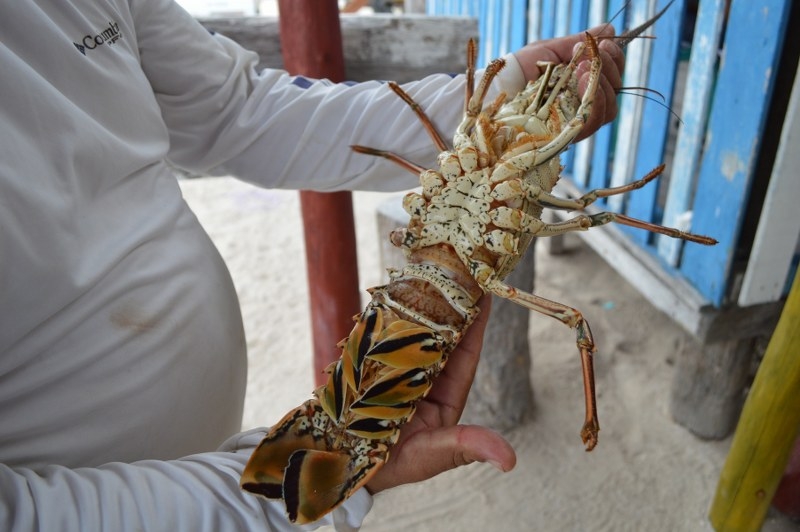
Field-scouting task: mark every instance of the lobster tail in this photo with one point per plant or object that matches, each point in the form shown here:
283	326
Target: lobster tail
264	472
294	462
332	445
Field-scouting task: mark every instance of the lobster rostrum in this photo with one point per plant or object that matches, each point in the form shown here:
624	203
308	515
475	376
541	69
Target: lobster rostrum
473	220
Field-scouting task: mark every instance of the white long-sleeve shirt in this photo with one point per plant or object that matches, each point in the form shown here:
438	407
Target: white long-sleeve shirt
122	354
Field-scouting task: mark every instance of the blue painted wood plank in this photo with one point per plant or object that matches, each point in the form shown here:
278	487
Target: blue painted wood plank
504	29
483	30
562	20
616	14
694	117
548	19
654	127
534	21
475	8
636	61
597	12
575	18
584	150
519	24
604	139
752	47
488	50
562	17
578	16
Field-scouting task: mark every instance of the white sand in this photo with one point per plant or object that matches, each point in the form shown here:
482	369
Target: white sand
647	473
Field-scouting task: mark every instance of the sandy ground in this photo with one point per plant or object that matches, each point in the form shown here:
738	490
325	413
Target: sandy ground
647	472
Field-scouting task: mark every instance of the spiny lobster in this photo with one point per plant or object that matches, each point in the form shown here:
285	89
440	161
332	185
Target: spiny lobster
476	215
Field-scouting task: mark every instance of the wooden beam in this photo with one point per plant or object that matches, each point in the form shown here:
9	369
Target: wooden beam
766	432
312	46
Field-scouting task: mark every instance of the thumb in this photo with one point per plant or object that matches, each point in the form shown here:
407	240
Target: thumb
460	445
427	453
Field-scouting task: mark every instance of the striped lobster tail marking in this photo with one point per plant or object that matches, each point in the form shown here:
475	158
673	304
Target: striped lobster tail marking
336	441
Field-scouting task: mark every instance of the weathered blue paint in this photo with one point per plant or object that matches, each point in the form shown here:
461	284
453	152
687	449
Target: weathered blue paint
604	138
578	16
519	24
635	75
753	37
548	8
696	101
483	23
654	126
562	18
534	21
562	27
585	150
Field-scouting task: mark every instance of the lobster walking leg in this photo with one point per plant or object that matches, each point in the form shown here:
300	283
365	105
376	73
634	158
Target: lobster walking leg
572	318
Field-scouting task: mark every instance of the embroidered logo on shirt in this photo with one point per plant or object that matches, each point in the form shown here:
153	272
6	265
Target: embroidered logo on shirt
109	36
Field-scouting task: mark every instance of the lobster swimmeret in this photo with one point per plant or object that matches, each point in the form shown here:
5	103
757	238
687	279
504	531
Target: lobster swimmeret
473	220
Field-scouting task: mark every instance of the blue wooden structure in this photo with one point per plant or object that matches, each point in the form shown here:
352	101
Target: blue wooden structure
727	70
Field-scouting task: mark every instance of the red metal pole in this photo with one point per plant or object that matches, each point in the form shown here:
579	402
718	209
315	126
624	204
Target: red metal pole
311	41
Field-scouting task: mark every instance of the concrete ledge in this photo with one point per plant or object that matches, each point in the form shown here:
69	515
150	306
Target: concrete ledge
385	47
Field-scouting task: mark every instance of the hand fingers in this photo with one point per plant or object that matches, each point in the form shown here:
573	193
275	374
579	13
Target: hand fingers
556	51
604	108
561	50
613	62
460	445
430	453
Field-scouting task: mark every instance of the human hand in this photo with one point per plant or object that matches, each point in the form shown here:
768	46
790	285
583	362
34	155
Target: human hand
433	442
560	50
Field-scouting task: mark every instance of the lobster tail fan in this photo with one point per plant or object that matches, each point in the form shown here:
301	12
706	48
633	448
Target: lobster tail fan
294	463
264	472
316	482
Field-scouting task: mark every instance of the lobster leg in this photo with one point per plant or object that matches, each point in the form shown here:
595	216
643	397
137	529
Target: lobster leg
572	318
607	217
583	222
545	199
397	159
426	122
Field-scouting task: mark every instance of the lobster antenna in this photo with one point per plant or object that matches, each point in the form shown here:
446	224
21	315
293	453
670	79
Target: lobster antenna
660	100
619	12
633	33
